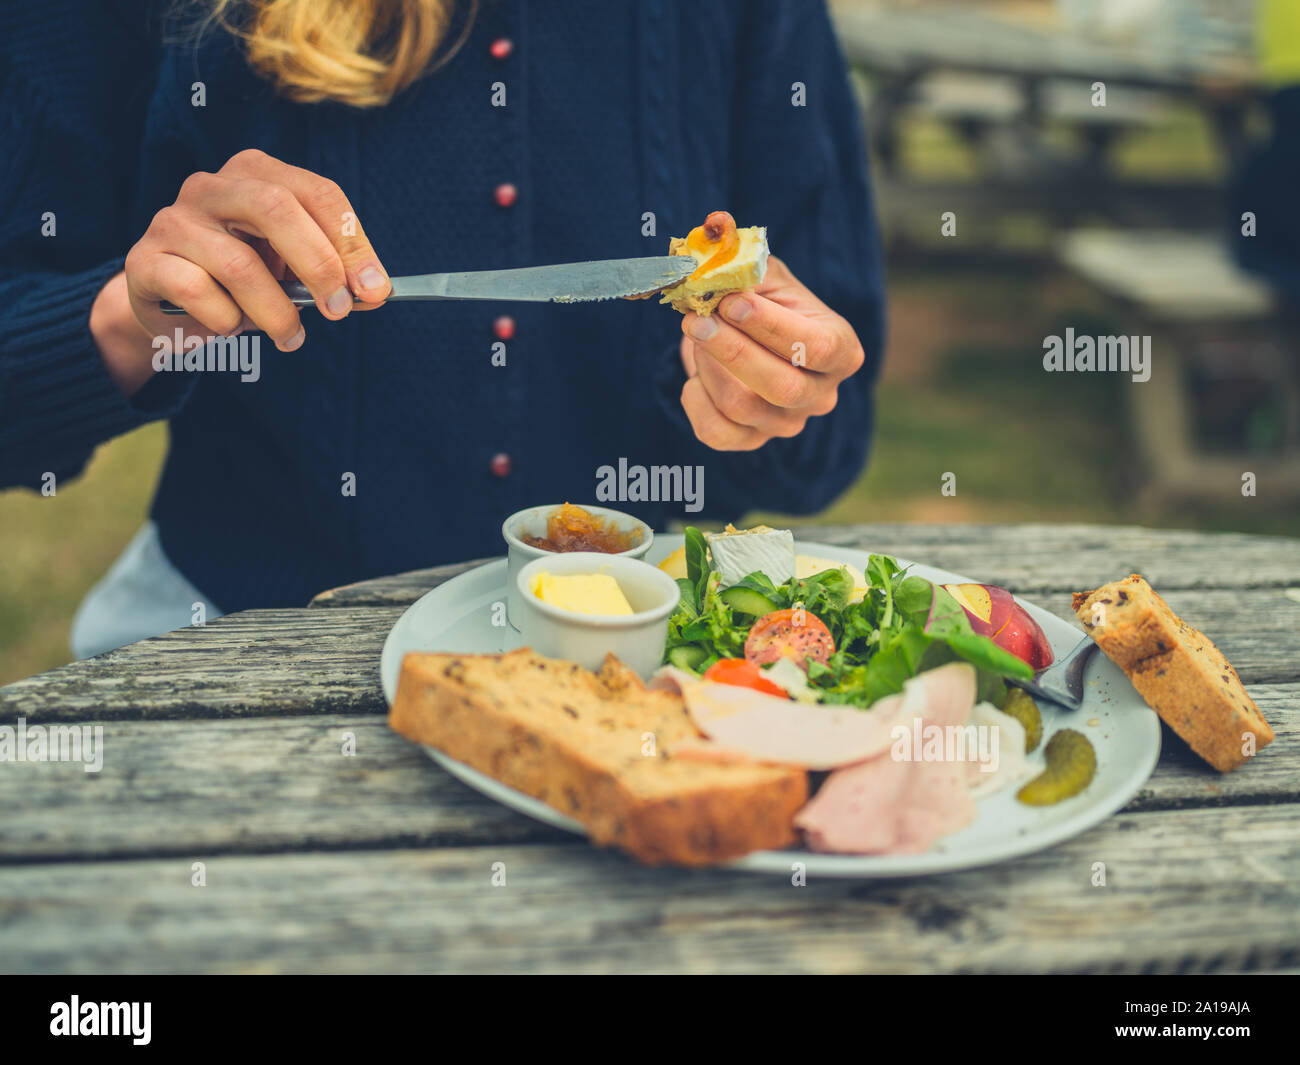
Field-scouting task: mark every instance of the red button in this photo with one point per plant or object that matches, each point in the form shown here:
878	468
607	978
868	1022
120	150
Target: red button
504	327
506	195
502	47
501	465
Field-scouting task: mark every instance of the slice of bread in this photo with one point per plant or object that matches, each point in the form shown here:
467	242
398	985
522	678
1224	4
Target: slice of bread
703	294
593	747
1176	669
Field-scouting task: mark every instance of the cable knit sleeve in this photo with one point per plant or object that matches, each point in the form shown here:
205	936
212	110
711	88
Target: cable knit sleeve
73	104
801	171
57	402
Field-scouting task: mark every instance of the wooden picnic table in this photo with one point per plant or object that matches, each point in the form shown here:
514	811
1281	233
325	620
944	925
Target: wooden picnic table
223	745
1002	79
981	38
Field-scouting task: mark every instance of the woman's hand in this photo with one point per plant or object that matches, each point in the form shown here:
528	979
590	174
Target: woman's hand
764	363
222	248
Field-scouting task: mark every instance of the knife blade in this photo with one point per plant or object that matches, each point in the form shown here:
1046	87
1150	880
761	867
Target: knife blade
604	279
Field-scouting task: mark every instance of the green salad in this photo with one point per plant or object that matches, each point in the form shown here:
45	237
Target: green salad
903	626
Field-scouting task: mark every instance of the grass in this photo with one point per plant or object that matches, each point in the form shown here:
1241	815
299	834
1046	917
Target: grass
55	547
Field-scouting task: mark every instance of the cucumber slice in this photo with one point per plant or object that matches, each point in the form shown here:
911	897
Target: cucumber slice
687	657
748	601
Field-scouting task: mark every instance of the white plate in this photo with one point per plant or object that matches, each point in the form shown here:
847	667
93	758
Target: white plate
457	617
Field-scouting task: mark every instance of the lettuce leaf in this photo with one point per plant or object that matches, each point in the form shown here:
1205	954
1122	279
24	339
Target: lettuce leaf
902	626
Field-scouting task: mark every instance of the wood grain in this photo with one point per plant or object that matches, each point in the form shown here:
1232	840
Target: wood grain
1028	559
1182	778
226	786
273	663
400	589
241	786
1197	891
256	663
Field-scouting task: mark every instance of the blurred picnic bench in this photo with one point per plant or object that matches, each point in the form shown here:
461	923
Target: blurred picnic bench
1005	84
1017	86
1224	353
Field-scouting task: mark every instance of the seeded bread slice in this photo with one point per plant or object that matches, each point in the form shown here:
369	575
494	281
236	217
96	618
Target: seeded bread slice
1176	669
703	295
592	746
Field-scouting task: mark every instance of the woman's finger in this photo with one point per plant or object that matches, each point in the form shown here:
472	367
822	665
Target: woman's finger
266	210
272	259
687	350
766	373
332	211
744	407
240	270
711	426
162	276
820	344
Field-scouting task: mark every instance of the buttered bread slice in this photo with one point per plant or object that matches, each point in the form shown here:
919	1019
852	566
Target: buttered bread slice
591	745
730	260
1176	669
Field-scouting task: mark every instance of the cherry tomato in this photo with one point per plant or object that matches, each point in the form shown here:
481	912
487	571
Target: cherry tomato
789	634
743	675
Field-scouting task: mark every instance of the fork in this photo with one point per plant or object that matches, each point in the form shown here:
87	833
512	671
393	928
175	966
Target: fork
1062	681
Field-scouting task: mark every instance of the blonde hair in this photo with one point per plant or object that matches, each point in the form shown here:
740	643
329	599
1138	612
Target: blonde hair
356	52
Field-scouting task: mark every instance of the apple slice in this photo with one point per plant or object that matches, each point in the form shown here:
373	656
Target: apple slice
994	612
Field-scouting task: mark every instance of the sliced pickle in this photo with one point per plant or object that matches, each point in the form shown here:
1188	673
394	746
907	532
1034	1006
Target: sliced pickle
1023	708
1071	764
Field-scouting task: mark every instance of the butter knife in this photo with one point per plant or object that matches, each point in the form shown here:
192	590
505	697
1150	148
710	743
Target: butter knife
605	279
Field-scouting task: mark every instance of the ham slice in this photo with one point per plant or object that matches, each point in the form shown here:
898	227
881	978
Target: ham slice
671	679
938	803
856	809
873	803
887	806
743	724
892	805
942	696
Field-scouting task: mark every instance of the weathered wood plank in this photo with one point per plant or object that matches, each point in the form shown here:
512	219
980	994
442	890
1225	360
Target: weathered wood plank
397	589
271	663
1036	558
254	663
1258	629
1030	559
1182	779
254	786
247	786
1203	890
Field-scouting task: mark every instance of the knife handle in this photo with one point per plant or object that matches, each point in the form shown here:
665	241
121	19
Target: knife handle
295	290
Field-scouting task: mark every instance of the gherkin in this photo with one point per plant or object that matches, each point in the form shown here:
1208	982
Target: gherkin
1071	764
1025	710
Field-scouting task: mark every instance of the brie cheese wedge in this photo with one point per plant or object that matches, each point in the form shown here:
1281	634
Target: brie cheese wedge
739	552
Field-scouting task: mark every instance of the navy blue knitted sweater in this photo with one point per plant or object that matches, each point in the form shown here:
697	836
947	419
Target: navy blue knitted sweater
612	110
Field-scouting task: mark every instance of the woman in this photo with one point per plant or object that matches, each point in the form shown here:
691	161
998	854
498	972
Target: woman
345	143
